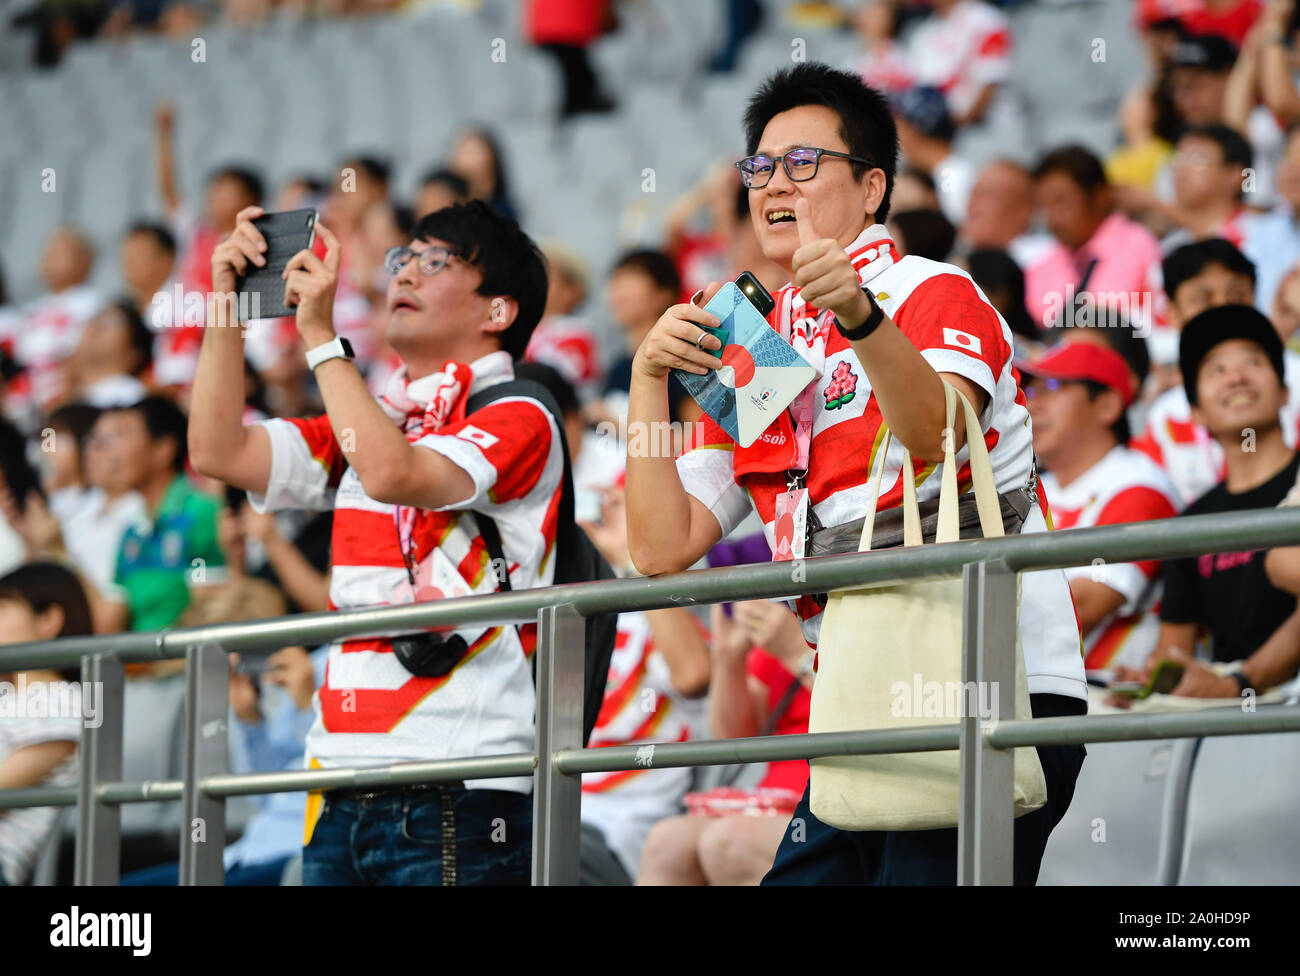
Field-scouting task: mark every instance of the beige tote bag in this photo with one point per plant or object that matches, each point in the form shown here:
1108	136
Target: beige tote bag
890	657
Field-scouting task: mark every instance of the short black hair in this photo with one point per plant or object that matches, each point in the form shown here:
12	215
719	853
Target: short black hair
403	218
138	335
565	396
77	419
995	270
42	585
377	169
921	176
453	181
926	233
245	177
508	259
1079	164
1184	263
1232	144
20	476
866	124
162	418
312	182
1120	429
1119	333
655	265
160	234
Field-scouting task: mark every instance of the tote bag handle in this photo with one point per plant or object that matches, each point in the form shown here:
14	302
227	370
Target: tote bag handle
986	495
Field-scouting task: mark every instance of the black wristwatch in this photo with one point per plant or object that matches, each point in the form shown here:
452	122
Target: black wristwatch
1242	681
869	326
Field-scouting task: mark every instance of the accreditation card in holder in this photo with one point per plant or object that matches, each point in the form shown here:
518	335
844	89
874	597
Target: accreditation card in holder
760	373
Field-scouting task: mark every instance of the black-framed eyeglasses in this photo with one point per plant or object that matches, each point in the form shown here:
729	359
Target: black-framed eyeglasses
800	164
432	259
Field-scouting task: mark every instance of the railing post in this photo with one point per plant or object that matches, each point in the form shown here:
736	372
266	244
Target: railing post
557	798
98	859
203	818
986	823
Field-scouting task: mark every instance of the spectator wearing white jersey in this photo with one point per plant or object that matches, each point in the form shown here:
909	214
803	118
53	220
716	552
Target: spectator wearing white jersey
657	680
759	685
38	741
964	49
563	339
1078	397
403	475
883	332
148	259
925	134
115	351
47	329
1210	165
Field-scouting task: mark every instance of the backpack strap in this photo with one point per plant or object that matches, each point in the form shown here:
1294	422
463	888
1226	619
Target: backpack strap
487	525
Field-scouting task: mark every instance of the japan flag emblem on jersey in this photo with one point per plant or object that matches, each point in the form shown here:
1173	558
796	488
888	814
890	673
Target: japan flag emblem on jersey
962	340
476	436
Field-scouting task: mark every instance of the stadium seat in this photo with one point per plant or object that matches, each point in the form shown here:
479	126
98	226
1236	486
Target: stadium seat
1124	825
1241	812
153	748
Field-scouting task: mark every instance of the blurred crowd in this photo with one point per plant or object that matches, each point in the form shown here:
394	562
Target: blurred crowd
1099	263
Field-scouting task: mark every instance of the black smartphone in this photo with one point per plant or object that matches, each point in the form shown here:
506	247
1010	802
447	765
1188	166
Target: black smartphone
758	296
286	233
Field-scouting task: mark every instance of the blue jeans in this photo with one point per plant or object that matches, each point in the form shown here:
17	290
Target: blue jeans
821	854
439	834
239	875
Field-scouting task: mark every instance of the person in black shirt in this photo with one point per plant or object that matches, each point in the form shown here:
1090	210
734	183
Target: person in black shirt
1232	366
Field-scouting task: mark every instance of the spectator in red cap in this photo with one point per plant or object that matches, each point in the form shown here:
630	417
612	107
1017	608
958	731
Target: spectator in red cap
1079	393
1230	19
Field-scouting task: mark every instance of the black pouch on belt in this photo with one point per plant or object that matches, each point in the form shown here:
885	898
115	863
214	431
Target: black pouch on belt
430	655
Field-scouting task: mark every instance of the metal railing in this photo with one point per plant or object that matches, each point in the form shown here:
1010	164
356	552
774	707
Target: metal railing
988	567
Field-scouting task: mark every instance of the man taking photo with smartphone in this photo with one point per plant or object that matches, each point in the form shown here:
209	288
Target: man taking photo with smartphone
884	332
406	476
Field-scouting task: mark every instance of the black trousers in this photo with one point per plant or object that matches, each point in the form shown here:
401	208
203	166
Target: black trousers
815	853
580	85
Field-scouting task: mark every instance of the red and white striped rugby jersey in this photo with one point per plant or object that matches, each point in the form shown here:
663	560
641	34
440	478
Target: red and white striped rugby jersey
1192	459
949	320
961	52
568	344
40	338
370	710
640	705
1124	486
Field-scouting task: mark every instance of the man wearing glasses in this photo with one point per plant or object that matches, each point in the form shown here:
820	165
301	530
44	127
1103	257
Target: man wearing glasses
883	328
1079	394
405	476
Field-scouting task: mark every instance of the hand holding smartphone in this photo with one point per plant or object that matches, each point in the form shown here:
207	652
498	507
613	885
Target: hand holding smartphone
1164	679
286	233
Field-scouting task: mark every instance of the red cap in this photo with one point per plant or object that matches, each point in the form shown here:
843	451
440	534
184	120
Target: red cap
1084	361
1161	11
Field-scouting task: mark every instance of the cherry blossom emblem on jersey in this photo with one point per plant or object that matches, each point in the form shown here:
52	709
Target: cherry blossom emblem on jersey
842	387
